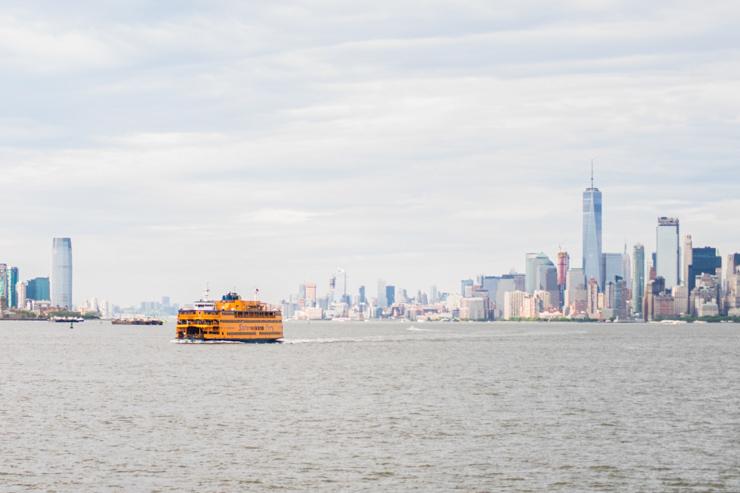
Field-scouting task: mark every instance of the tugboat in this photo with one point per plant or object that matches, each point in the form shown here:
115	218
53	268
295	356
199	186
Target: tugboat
230	319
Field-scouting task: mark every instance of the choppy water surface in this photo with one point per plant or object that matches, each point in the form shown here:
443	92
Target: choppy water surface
373	406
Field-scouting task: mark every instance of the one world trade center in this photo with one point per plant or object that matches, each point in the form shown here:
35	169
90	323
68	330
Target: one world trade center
592	233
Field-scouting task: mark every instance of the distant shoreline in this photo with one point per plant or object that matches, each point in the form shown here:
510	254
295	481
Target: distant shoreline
606	322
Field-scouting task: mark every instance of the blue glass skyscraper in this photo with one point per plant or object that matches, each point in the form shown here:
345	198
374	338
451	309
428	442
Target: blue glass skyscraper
704	261
12	287
61	273
592	233
390	295
38	289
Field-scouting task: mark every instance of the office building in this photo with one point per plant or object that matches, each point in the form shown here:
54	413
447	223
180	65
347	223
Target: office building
12	287
433	294
732	264
638	277
619	301
667	258
563	266
362	298
390	295
489	284
592	299
3	286
732	284
654	289
704	260
627	268
532	264
512	304
576	296
705	297
474	308
688	249
508	283
612	266
38	289
61	273
680	295
382	302
311	294
22	286
542	275
466	287
592	237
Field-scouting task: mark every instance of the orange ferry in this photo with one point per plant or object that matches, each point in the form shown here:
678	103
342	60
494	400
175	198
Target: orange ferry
231	319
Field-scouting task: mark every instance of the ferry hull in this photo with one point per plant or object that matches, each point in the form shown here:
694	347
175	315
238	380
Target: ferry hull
242	341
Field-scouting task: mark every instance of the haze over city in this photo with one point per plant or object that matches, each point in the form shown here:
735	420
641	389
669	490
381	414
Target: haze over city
266	146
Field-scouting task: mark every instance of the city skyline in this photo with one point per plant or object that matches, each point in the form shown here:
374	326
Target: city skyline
613	266
335	137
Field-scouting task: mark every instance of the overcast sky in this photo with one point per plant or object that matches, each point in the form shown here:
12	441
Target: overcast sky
267	143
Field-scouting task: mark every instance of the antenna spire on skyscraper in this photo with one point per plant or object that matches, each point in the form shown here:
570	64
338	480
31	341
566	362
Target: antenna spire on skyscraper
592	173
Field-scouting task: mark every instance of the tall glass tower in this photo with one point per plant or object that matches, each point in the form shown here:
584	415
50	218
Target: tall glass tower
3	286
667	259
61	273
592	233
11	289
638	277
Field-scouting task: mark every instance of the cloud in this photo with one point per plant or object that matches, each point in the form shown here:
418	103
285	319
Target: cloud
269	143
278	216
42	48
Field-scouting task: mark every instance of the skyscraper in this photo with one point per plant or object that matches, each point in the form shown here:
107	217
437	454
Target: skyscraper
390	295
688	251
542	275
466	286
433	294
638	277
612	266
361	297
731	264
38	289
593	298
382	301
3	286
61	273
311	295
592	232
627	268
22	295
532	263
12	287
507	284
563	267
704	260
576	294
489	284
667	258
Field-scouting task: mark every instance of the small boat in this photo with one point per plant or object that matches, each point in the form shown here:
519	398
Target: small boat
136	321
67	320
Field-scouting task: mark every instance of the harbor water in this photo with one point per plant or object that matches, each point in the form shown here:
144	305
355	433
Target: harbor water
395	406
